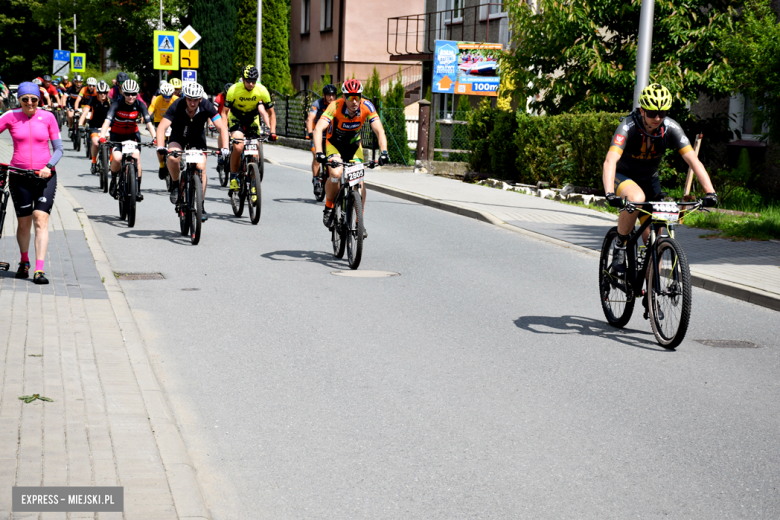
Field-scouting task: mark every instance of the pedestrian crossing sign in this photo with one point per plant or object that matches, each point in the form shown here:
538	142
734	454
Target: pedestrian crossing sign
166	50
78	62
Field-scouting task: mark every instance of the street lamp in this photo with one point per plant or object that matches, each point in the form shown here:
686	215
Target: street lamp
644	48
259	43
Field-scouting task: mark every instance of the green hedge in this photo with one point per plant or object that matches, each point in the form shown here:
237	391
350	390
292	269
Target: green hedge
556	149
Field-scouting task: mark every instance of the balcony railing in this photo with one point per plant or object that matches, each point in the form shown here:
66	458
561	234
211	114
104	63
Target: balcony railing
416	34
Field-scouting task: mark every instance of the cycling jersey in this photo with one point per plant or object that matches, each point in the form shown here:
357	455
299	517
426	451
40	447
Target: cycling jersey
85	93
189	130
317	108
159	106
243	103
344	129
53	93
640	152
99	111
220	101
123	116
31	136
72	92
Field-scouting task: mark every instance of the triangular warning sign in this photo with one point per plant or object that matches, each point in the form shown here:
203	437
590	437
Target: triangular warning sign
166	44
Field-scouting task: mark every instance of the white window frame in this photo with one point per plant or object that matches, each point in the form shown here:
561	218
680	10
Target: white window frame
737	119
305	16
484	13
450	5
324	26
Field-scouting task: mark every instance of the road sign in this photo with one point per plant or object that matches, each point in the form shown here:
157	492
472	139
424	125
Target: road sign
189	76
61	63
78	62
166	50
190	59
189	37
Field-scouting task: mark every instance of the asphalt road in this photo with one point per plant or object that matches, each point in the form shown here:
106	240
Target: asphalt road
482	382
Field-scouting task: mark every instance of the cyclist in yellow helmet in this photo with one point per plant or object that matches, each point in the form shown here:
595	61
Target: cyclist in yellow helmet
176	82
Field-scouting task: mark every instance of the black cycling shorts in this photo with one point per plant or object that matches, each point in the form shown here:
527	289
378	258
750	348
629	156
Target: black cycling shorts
195	141
651	186
32	194
250	127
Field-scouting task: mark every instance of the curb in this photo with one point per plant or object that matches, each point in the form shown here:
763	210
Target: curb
179	469
737	291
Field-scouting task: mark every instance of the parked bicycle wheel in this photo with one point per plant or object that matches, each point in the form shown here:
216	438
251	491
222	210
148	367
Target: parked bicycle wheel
132	191
616	302
196	208
354	229
670	306
255	191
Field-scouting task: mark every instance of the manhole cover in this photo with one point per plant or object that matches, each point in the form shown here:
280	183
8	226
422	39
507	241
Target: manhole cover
139	276
365	274
727	343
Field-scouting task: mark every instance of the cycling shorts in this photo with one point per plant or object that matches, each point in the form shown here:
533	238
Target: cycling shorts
32	194
346	151
249	127
194	141
651	187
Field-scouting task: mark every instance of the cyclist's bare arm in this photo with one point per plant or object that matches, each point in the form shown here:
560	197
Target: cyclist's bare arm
272	116
608	175
225	112
264	114
165	123
322	125
310	123
83	116
700	171
379	130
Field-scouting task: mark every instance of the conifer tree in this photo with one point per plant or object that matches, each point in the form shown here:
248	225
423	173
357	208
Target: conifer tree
275	72
215	21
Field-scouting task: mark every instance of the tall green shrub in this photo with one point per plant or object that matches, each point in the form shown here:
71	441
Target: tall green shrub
215	20
394	122
275	72
372	89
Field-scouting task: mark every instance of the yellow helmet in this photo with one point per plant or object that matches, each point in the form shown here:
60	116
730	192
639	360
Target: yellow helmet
176	82
655	97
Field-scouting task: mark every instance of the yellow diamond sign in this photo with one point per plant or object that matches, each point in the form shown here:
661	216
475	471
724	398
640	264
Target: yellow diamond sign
189	37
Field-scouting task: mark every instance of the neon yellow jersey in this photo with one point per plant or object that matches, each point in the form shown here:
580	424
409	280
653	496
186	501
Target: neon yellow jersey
243	103
160	105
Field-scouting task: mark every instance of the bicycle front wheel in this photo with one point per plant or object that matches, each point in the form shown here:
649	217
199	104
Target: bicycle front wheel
104	165
76	140
338	233
354	229
131	192
254	197
617	301
237	197
181	207
670	305
223	171
196	207
320	196
120	195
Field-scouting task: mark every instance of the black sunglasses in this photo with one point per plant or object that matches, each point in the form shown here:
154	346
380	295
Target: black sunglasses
652	114
32	100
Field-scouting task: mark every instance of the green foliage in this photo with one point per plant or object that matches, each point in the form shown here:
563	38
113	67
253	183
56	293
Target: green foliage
581	56
25	52
276	52
372	88
481	123
732	181
394	122
751	46
215	20
460	133
317	85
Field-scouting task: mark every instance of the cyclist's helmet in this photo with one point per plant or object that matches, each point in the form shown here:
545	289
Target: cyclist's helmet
192	90
655	97
55	82
163	82
250	73
46	77
64	78
166	90
77	78
121	78
130	87
176	82
36	81
352	86
227	87
102	87
329	89
91	82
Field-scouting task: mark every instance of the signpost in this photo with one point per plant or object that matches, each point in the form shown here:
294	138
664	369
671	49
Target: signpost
166	50
78	62
61	63
189	76
466	68
190	59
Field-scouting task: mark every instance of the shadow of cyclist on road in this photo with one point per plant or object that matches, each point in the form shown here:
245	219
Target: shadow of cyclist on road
317	257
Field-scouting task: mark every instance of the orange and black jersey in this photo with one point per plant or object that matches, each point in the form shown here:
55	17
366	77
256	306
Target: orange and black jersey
640	152
86	94
342	128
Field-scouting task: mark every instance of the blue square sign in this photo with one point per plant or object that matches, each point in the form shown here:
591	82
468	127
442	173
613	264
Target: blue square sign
188	75
165	43
62	55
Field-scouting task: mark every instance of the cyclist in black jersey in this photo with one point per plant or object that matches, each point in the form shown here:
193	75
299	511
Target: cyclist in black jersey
71	93
317	108
97	107
635	152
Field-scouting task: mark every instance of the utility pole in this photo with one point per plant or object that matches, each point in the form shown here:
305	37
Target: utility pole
259	44
59	31
644	48
75	49
160	27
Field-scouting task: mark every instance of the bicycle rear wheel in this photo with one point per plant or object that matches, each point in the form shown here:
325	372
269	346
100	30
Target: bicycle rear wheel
196	207
255	189
131	192
76	139
354	231
670	306
617	301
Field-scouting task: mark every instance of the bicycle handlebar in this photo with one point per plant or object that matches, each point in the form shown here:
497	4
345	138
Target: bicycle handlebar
35	174
178	153
336	164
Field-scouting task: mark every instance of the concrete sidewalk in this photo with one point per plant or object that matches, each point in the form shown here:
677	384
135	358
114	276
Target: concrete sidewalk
747	270
76	342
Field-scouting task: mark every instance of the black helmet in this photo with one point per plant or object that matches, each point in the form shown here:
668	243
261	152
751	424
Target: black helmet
227	87
121	78
329	89
250	73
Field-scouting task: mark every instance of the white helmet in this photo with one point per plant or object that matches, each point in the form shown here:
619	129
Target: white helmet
192	90
130	87
36	81
166	90
91	82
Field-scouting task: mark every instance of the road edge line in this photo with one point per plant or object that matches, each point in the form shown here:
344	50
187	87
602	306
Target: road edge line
179	469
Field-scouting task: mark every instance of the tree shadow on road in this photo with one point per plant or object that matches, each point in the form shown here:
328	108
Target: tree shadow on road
317	257
569	325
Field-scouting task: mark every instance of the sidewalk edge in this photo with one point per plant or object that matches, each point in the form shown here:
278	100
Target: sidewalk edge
179	468
716	285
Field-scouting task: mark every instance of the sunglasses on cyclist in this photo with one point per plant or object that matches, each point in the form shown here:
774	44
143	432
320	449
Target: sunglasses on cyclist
353	97
652	114
130	95
32	100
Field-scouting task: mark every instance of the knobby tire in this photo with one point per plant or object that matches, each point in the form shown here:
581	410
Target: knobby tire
254	182
615	301
132	191
196	206
354	233
675	295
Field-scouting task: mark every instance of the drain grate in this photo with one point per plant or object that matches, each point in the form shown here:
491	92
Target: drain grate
727	343
139	276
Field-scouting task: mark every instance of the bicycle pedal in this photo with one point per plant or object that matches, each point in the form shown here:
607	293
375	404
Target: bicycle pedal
4	266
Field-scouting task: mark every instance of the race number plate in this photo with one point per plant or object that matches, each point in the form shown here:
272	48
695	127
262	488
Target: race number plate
668	211
194	157
250	147
129	147
354	173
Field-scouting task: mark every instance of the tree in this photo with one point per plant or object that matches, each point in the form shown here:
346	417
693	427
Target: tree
276	51
373	88
580	56
27	46
752	50
215	20
394	121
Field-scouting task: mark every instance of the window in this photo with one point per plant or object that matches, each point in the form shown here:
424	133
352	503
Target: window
304	83
744	121
326	15
491	9
305	16
454	12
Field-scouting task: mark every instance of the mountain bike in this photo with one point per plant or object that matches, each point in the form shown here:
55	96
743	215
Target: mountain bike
662	263
5	195
190	205
250	178
346	224
127	179
103	165
73	131
87	142
322	177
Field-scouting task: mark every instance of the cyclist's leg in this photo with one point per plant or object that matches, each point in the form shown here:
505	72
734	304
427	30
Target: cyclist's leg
94	134
627	188
173	162
236	132
334	174
315	166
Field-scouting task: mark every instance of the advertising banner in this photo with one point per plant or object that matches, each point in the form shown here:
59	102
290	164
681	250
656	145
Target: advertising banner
465	68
